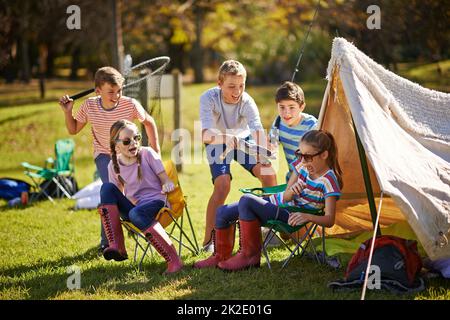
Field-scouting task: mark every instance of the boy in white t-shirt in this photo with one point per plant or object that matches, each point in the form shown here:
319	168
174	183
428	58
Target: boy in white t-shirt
228	113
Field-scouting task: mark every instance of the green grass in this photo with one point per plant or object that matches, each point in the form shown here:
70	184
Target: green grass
38	243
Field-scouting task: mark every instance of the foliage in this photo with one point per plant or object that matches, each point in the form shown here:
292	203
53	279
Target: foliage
199	34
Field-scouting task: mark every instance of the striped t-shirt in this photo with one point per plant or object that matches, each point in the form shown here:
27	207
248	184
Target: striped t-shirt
315	191
289	137
102	119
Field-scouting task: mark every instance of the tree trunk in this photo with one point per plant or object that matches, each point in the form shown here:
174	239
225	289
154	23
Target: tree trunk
117	40
50	63
25	60
197	49
75	64
43	53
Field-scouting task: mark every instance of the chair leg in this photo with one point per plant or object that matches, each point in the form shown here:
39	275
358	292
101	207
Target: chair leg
60	187
299	244
42	189
266	241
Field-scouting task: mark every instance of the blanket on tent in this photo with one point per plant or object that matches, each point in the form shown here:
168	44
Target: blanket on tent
405	130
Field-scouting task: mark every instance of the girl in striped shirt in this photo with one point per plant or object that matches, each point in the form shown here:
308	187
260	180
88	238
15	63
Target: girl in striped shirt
315	183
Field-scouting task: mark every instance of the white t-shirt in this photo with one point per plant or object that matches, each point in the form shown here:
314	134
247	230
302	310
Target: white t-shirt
238	119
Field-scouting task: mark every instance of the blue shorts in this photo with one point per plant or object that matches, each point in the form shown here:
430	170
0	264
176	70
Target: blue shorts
220	167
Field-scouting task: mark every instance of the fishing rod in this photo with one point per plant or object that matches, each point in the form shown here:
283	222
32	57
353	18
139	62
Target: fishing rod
305	41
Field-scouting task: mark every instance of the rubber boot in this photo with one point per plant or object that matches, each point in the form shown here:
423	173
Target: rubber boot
110	216
223	240
159	239
249	254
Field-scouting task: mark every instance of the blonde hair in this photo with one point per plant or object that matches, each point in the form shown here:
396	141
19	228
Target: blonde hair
290	91
108	75
324	141
114	132
231	67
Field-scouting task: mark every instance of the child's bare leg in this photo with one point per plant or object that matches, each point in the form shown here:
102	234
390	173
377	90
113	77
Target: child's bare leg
265	174
217	199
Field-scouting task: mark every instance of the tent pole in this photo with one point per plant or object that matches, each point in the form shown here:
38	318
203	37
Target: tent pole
367	182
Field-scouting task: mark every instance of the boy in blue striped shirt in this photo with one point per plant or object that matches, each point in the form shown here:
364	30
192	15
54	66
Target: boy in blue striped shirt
292	123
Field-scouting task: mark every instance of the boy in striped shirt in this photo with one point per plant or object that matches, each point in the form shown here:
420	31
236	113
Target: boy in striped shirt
292	123
102	111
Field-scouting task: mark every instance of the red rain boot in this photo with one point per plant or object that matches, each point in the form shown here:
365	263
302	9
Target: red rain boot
249	254
110	216
159	239
223	240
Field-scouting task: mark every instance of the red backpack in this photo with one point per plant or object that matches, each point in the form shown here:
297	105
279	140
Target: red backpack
399	262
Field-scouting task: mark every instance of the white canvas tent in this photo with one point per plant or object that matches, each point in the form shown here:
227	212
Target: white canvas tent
404	130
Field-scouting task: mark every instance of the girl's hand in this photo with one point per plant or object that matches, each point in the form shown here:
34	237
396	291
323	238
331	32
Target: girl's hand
66	103
297	218
298	187
168	187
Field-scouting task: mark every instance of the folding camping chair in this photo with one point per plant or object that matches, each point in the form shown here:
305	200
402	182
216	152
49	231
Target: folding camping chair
57	173
275	226
174	216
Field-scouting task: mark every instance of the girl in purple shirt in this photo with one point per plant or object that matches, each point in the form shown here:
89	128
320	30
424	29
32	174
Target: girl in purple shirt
136	192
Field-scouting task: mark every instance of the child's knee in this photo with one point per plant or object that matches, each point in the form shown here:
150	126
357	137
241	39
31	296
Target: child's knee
223	218
246	200
107	188
135	217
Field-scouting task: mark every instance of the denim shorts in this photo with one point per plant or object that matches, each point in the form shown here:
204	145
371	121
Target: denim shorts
220	167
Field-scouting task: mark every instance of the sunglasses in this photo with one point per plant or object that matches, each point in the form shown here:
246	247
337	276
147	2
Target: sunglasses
305	157
126	142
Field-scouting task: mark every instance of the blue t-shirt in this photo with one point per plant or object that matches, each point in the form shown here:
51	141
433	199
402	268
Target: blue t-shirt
289	137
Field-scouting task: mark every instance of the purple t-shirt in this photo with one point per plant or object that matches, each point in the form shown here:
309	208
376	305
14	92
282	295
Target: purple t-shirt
149	188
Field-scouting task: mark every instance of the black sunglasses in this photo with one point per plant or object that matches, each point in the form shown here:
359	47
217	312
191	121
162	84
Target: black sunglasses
126	142
306	157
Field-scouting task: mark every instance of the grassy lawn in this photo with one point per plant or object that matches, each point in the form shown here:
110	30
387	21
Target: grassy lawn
38	243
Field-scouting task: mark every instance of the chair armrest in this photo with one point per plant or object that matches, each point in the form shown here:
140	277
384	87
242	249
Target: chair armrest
264	191
317	212
31	167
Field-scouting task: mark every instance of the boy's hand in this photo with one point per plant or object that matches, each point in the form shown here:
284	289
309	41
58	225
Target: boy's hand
66	103
168	187
231	142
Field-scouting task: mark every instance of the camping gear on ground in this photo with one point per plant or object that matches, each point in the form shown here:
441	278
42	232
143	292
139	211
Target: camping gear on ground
11	188
397	264
56	178
441	266
89	196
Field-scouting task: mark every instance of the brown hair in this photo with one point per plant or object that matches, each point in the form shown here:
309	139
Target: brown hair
108	75
324	141
231	67
114	132
290	91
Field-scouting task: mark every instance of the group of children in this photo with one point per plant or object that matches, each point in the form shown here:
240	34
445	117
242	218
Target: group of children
135	183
